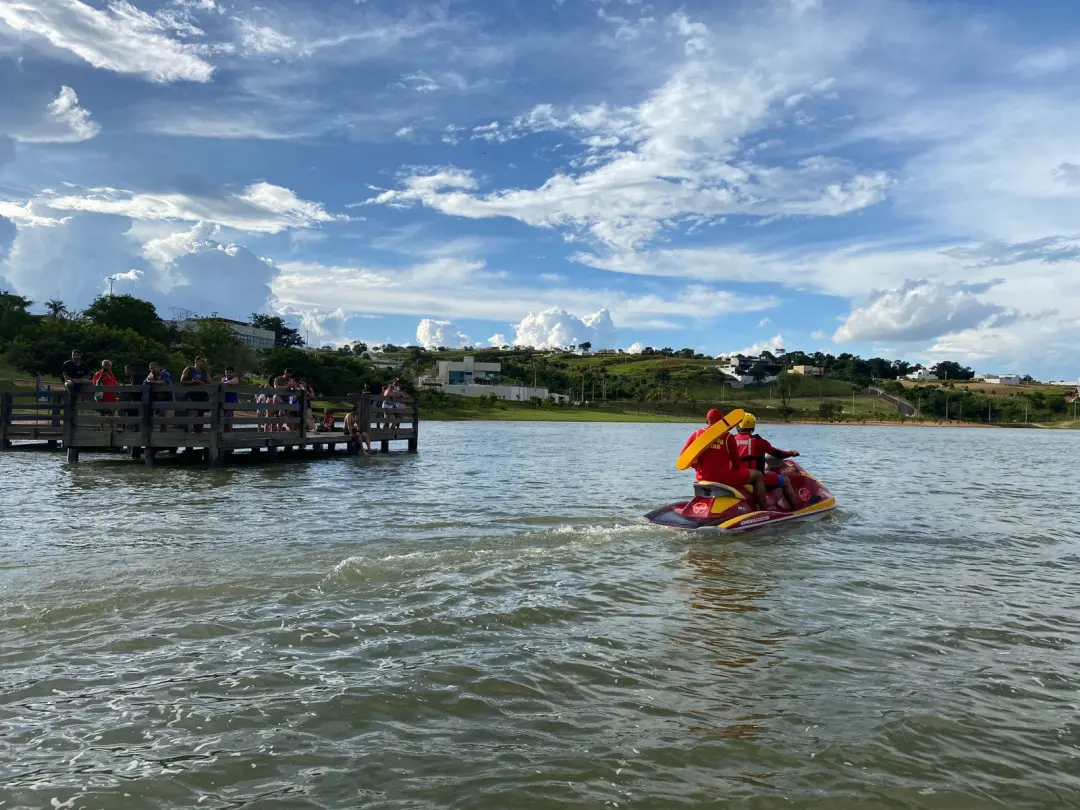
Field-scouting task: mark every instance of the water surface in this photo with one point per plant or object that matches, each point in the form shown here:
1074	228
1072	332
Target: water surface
488	625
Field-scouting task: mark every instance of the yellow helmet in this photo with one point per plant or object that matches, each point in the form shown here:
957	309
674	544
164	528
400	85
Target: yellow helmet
748	422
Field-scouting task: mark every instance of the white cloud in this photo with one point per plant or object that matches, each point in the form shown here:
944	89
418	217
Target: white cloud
418	81
919	310
461	288
764	322
262	40
259	208
498	340
636	348
774	345
817	334
195	270
120	38
432	334
556	328
130	275
675	157
25	216
64	122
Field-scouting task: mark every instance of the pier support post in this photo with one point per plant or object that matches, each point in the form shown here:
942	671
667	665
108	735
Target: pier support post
271	453
5	419
148	456
72	455
215	456
384	446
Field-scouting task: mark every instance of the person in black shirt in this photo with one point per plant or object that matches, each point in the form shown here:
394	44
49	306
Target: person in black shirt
75	371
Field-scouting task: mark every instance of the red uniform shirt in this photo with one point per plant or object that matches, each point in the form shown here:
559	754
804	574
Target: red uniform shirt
718	462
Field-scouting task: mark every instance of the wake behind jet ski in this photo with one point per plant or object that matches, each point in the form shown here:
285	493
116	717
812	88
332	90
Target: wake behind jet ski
741	500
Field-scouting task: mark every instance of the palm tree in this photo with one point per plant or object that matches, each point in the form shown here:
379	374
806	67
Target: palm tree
56	308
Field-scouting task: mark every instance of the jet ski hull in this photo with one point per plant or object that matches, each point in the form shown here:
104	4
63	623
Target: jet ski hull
718	508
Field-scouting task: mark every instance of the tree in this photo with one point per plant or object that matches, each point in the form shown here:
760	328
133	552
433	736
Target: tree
44	348
947	369
285	337
758	373
215	340
129	312
14	316
585	347
56	308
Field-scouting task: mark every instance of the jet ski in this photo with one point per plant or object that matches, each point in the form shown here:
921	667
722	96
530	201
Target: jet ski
718	508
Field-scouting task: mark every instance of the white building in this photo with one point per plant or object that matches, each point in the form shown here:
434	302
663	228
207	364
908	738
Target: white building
1002	379
464	372
246	333
738	368
921	374
469	378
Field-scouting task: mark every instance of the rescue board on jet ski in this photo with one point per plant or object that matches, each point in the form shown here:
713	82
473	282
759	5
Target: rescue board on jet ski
705	440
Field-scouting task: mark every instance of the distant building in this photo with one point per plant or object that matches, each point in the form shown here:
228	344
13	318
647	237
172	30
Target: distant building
469	378
379	360
921	374
739	367
465	372
246	333
1002	379
808	371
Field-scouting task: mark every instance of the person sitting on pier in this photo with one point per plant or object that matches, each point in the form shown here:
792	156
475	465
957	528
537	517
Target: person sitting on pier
196	376
327	425
74	371
357	437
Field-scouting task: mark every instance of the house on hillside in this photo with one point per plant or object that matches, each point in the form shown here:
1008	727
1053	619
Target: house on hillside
921	375
740	367
808	371
379	360
468	378
1002	379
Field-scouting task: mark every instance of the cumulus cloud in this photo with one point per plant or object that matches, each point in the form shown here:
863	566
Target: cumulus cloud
64	122
259	208
7	236
556	328
119	38
498	340
636	348
432	334
774	345
195	270
918	310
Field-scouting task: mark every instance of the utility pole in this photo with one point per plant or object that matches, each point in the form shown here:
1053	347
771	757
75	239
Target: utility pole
112	280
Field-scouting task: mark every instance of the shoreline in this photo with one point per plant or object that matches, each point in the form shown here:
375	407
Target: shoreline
659	419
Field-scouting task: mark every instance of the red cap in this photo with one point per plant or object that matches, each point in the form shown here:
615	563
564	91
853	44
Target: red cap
714	416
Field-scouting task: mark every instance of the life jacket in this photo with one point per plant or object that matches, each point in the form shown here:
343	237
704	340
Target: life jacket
751	451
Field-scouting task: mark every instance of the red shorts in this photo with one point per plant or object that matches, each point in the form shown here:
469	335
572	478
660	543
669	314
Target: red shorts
739	478
734	478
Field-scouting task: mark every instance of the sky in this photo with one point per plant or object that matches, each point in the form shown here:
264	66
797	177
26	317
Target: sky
882	177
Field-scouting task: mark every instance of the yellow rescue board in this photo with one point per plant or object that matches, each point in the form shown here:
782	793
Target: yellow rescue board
711	434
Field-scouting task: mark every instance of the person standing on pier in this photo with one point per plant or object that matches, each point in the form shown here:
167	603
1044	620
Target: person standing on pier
159	378
232	397
196	376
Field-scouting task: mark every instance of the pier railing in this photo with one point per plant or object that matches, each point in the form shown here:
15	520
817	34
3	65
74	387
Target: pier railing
219	418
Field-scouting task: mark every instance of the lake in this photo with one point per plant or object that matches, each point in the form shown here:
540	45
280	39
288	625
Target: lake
488	625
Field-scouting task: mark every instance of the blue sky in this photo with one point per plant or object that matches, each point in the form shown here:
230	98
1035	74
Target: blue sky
892	178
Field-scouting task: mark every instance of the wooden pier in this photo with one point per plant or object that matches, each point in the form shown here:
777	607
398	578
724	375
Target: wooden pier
218	421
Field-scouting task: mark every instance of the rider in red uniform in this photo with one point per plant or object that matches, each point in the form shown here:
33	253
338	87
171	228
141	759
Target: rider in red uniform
752	450
720	463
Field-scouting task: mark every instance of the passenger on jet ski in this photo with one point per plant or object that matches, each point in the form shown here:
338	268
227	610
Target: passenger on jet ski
721	463
752	452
